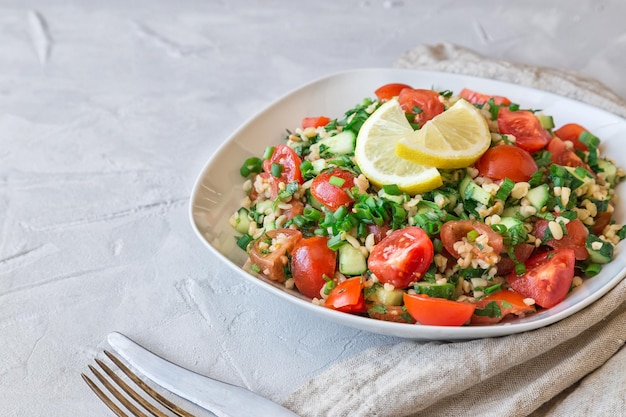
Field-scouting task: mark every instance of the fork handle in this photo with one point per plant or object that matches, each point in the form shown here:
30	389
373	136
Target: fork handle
221	398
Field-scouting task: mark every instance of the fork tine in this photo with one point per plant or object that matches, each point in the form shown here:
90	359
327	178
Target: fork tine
164	401
103	396
128	390
116	394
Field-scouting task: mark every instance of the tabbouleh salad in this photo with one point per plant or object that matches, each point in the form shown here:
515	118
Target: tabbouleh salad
504	237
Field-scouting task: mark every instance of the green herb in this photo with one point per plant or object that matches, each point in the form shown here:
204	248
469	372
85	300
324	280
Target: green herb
492	309
336	181
244	240
251	166
505	189
269	151
392	189
276	170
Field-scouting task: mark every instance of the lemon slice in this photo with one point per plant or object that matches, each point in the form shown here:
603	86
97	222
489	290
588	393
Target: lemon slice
375	152
455	138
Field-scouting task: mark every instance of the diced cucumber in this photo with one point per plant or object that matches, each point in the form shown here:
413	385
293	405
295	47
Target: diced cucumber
515	231
513	211
243	221
351	260
446	291
263	206
318	165
314	202
580	176
511	222
470	190
399	199
389	297
547	122
604	252
341	144
609	169
538	196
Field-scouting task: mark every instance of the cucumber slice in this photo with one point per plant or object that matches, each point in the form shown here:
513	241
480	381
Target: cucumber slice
399	199
514	211
470	190
580	175
242	221
538	196
603	252
547	122
609	169
351	260
446	291
262	206
341	144
318	166
389	297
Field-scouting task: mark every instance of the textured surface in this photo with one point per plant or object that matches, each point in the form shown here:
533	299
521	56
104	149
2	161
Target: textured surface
108	111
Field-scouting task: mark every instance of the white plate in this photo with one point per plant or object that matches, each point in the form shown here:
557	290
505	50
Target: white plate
218	190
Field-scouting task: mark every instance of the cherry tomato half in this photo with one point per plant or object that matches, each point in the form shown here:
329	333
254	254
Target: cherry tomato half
425	104
311	259
524	125
548	277
402	257
522	252
506	161
395	314
562	155
290	162
509	302
347	296
438	311
574	239
572	132
475	97
455	230
330	195
389	91
315	121
271	260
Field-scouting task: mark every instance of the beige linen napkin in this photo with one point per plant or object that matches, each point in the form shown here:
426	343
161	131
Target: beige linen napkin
575	367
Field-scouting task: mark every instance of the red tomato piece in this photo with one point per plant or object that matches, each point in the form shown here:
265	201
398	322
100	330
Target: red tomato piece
315	121
389	91
603	219
574	239
270	257
509	302
402	257
438	311
524	125
425	104
455	230
379	232
522	252
290	162
297	207
396	314
572	132
475	97
347	296
561	155
330	195
548	277
506	161
311	260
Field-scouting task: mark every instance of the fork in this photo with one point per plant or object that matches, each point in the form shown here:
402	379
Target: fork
147	405
220	398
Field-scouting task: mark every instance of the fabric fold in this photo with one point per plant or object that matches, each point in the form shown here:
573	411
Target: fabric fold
557	370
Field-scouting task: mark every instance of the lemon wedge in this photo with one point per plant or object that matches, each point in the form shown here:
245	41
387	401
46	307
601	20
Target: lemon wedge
455	138
375	152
